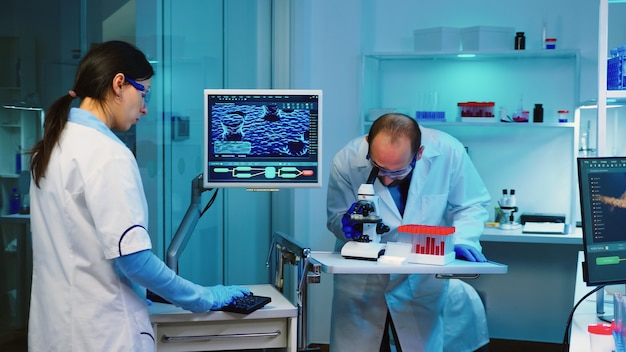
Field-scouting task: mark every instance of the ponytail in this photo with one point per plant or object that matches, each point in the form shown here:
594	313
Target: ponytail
56	118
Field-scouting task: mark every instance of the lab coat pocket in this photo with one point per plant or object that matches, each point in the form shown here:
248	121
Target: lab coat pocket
144	332
433	207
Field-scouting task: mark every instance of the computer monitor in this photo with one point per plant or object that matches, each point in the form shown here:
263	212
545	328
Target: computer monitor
262	139
602	185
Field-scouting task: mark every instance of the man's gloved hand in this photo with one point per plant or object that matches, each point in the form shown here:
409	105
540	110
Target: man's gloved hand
469	253
351	229
224	295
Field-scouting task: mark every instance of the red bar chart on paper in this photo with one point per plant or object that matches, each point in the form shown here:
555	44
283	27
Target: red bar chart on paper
430	244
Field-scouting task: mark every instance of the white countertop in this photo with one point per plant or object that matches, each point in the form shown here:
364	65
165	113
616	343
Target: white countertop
585	313
491	234
279	307
334	263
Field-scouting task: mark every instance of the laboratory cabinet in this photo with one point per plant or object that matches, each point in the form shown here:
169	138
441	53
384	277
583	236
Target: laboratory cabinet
272	327
20	128
609	103
21	117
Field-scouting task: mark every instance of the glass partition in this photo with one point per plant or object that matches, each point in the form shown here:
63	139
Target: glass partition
193	45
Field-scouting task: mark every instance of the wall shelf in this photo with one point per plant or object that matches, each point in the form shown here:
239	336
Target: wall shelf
535	159
475	55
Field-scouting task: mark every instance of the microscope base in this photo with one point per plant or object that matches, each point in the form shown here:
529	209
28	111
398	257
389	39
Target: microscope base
363	251
511	226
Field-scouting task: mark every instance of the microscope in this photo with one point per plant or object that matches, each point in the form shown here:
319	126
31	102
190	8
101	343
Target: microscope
508	207
367	244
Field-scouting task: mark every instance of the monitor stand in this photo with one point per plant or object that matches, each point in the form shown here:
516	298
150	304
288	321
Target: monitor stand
600	311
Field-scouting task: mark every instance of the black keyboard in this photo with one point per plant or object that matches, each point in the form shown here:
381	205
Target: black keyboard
247	304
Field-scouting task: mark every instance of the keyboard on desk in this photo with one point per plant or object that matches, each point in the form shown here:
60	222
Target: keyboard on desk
544	228
247	304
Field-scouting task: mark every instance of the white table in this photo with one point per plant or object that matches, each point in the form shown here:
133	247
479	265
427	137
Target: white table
586	314
273	326
334	263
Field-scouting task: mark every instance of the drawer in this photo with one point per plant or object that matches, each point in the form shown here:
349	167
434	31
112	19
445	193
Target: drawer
221	335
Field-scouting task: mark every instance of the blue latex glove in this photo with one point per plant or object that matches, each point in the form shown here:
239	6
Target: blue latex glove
149	271
469	253
351	230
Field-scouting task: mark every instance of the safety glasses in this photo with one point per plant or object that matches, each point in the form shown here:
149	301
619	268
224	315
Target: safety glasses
396	173
145	94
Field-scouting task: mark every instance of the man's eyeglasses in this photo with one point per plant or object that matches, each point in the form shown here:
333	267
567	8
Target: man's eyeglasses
397	173
145	94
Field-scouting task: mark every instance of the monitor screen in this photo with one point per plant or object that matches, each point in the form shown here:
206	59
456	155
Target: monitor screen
262	139
602	185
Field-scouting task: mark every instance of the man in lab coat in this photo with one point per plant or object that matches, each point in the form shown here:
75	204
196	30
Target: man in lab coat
425	177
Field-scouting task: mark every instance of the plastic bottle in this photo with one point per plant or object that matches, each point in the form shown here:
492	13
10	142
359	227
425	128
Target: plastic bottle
550	43
18	160
538	113
563	115
520	41
14	203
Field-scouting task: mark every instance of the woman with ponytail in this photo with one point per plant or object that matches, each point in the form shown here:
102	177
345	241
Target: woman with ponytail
92	259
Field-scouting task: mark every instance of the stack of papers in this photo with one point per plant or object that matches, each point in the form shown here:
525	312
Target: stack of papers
544	227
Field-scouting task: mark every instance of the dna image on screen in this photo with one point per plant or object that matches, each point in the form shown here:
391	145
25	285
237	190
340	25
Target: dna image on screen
262	138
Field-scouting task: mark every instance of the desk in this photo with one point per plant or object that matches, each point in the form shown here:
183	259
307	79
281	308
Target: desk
334	263
585	314
273	326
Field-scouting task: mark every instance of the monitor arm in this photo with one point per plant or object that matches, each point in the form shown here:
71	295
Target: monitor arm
186	226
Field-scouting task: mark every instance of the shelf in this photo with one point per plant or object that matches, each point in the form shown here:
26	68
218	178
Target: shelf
4	175
506	154
476	55
500	124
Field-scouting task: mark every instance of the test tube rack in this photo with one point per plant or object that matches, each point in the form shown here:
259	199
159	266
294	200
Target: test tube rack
430	244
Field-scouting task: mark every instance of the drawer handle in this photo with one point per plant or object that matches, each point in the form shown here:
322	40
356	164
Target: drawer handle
173	339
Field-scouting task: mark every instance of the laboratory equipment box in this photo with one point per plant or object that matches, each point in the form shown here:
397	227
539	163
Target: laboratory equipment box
437	39
485	38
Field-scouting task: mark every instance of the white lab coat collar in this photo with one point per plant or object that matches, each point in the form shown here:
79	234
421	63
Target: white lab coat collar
85	118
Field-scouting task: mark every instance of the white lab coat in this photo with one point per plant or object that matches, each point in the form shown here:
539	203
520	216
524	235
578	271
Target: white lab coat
90	209
445	189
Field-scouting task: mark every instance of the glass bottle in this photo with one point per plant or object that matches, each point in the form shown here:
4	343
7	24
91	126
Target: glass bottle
538	113
520	41
14	203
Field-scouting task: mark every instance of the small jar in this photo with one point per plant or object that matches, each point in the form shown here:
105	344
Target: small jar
538	113
563	115
520	41
550	43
